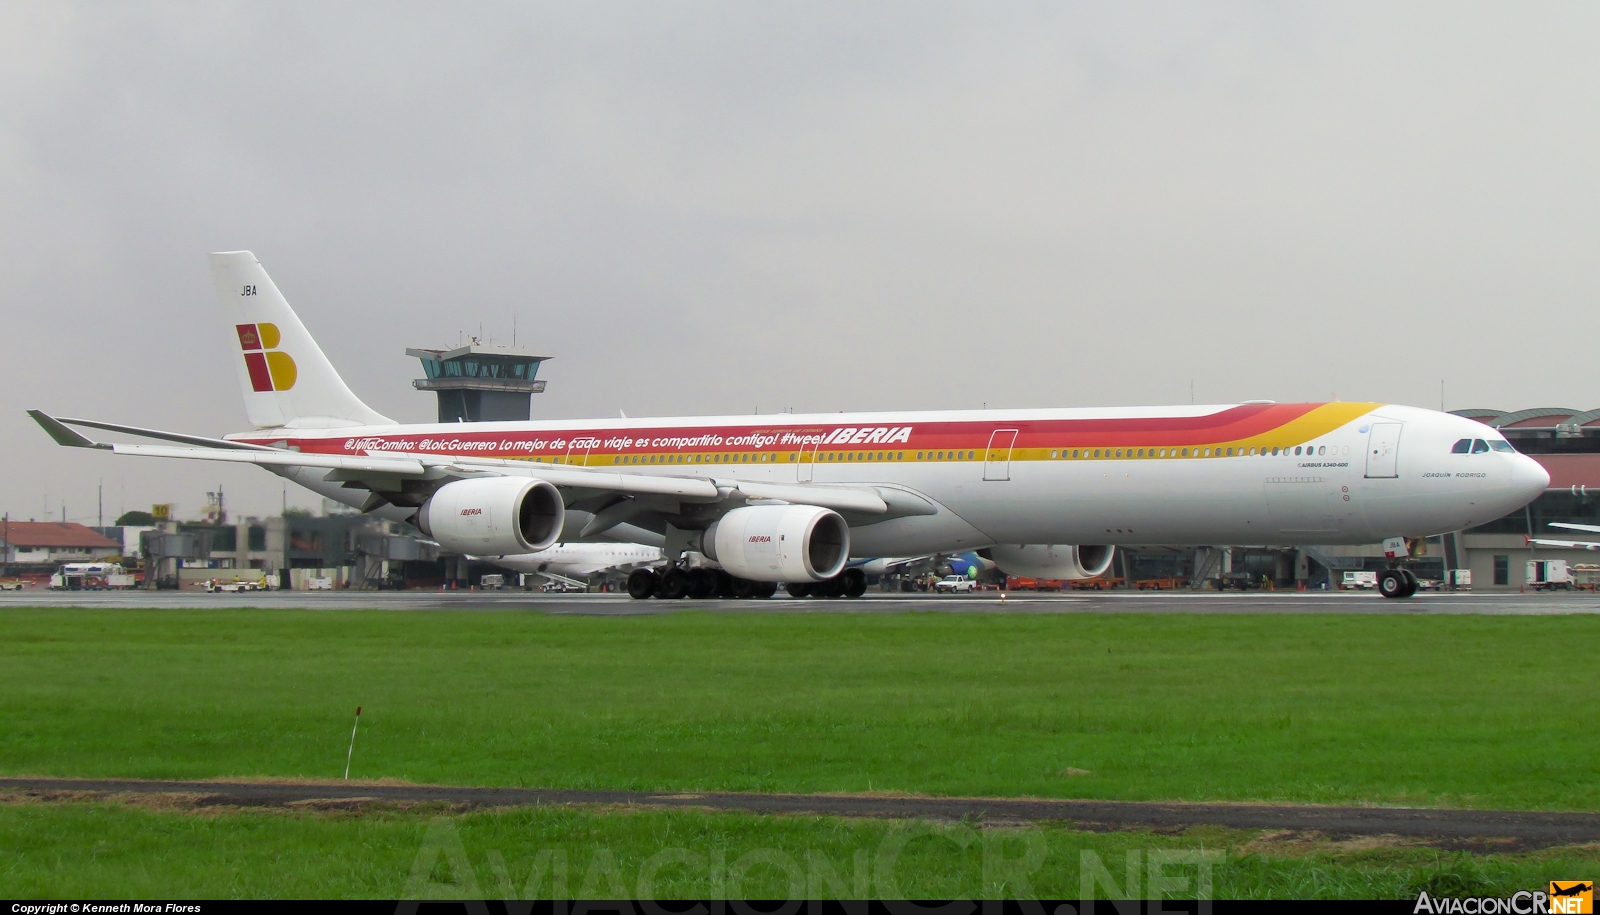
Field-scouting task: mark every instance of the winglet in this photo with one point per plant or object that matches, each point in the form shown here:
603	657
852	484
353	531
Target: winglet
62	434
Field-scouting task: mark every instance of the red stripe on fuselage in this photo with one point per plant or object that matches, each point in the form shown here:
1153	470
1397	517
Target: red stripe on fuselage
1232	424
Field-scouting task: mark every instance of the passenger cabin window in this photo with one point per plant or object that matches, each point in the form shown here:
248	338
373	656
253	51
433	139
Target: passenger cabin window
1462	447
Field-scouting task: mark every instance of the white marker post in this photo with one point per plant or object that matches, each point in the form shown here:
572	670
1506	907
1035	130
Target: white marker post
352	749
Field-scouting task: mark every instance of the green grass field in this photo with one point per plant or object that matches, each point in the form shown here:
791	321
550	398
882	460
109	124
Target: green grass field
1464	711
1461	711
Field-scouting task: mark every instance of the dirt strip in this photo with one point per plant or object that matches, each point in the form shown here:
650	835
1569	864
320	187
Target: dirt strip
1497	829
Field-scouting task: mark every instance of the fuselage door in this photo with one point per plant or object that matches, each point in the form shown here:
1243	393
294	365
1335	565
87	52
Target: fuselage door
1383	451
578	452
997	460
808	457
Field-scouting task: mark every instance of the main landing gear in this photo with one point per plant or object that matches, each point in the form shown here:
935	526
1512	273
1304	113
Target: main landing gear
849	583
703	584
700	584
1397	583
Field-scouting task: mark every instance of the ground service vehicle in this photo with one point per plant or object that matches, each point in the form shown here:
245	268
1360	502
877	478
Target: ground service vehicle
1358	580
955	584
1548	575
232	586
789	498
90	576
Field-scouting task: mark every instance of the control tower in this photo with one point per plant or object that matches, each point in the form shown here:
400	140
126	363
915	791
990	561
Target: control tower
479	383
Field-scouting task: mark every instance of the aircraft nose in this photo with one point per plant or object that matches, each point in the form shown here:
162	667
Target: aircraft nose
1529	476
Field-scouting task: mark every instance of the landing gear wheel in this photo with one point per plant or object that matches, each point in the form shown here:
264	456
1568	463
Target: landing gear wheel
1411	582
744	588
798	588
764	589
853	582
828	587
641	584
1392	583
725	585
674	585
702	583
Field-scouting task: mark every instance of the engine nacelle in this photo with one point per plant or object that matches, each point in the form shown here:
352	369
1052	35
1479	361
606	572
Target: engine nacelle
779	543
1048	560
494	516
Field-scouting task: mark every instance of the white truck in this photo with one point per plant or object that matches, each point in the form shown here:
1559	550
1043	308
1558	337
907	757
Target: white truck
1360	581
1549	575
90	576
955	584
232	586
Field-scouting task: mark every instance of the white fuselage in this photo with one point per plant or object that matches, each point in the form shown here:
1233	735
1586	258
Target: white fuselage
1286	474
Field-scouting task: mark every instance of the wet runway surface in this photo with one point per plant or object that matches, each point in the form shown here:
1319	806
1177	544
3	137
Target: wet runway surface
1511	603
1501	830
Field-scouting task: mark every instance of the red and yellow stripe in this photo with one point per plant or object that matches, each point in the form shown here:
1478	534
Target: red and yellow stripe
1244	429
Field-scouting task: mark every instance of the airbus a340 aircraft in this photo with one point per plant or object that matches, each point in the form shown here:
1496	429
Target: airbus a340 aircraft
790	498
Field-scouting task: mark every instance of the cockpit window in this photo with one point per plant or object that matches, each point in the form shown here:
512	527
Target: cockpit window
1479	446
1462	447
1502	445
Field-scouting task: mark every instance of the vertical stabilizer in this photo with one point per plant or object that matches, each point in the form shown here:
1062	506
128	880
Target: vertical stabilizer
286	379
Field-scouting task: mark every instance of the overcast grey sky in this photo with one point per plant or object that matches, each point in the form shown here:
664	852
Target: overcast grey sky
704	208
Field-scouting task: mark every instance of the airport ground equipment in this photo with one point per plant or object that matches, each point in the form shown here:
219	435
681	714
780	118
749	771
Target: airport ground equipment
90	576
1548	575
955	584
1360	580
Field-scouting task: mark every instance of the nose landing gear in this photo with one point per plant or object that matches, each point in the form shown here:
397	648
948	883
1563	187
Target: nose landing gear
1397	583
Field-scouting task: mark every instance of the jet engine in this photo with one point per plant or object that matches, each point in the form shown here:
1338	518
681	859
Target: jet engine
1048	560
787	543
494	516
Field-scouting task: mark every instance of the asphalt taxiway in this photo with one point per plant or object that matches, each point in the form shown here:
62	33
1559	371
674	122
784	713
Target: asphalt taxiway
1482	602
1500	830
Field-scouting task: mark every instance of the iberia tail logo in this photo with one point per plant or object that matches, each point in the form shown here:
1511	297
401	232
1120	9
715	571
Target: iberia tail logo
270	370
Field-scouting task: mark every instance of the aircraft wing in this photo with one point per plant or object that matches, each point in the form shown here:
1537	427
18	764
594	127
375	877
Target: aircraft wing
1569	544
1565	544
399	464
1588	528
200	440
388	475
